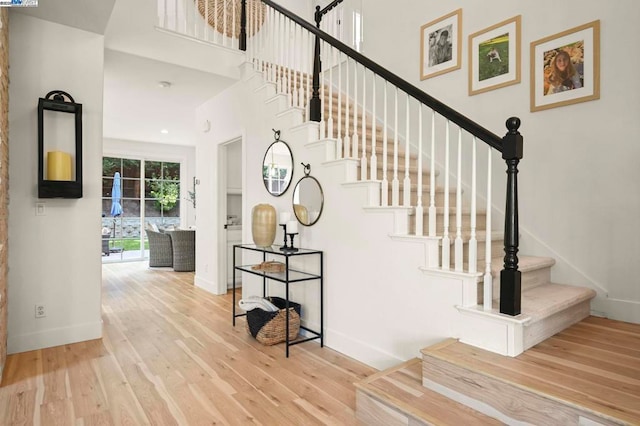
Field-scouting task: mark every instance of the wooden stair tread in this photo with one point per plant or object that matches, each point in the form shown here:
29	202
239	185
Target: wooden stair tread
544	300
572	367
401	387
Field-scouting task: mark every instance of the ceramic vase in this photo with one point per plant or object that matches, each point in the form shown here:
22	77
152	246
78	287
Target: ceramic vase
263	224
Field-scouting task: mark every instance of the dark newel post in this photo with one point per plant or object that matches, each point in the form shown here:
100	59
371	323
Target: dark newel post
510	277
315	113
243	26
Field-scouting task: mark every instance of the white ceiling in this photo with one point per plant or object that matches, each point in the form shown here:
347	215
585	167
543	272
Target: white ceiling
137	58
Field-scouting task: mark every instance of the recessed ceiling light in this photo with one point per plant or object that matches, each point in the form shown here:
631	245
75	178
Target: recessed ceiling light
164	84
164	131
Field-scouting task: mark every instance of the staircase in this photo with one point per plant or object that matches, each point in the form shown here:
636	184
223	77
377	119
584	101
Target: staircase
495	368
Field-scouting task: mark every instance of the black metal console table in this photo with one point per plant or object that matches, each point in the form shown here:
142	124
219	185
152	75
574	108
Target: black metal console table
289	276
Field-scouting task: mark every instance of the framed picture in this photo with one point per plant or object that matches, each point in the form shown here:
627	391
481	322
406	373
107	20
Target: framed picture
494	56
440	47
565	67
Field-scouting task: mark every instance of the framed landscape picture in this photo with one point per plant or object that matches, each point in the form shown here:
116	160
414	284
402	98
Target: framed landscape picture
565	67
440	45
494	56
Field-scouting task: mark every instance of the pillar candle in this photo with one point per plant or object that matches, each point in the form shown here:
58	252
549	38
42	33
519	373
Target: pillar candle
292	227
58	165
284	217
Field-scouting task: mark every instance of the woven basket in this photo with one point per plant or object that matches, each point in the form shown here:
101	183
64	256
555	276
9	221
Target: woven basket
220	12
269	328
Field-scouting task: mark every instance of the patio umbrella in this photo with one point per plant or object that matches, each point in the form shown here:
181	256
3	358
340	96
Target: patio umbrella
116	207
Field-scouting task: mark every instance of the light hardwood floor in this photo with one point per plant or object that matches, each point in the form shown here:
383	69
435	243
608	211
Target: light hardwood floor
169	356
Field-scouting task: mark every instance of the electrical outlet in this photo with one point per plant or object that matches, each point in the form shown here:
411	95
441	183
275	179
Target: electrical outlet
40	311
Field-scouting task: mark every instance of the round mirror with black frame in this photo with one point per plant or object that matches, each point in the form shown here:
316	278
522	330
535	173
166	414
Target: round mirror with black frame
277	167
308	198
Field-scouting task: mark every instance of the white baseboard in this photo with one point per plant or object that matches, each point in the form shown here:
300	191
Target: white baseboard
361	351
207	285
623	310
54	337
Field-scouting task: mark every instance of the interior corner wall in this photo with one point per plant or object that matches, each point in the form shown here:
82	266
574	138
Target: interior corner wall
162	152
54	259
579	189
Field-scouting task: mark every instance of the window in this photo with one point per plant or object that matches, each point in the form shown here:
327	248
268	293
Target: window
135	192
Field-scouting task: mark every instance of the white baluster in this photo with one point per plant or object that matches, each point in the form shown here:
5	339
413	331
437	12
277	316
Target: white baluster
488	278
354	135
432	178
395	183
215	20
363	159
347	139
323	118
407	180
445	236
165	22
224	25
458	241
269	44
374	159
176	17
339	138
205	28
297	76
384	200
233	26
330	118
473	242
419	208
290	53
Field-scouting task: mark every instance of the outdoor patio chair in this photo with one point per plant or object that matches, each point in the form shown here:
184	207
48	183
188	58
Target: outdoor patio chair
160	249
183	243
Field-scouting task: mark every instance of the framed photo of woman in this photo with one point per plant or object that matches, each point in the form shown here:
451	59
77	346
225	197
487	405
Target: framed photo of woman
565	67
494	56
440	46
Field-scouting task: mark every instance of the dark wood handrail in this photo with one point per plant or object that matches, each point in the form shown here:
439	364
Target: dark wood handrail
466	123
330	6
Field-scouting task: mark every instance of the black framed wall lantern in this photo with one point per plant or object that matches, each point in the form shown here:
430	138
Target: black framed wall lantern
59	146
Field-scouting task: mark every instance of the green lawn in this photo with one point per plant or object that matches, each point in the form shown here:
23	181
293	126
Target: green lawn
128	244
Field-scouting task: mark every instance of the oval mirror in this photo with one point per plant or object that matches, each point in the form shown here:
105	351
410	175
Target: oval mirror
308	200
277	168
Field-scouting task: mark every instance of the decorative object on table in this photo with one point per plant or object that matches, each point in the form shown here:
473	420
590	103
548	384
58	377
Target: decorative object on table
284	218
308	198
263	224
277	167
292	230
494	56
269	266
269	328
60	137
565	67
441	45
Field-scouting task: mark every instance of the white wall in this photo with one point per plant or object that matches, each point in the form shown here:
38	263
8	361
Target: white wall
53	259
185	155
579	186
